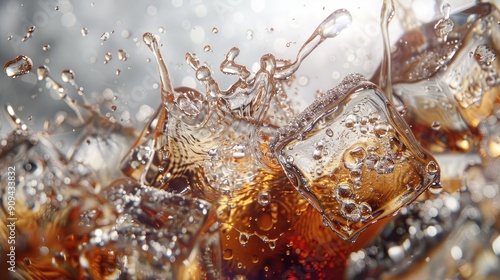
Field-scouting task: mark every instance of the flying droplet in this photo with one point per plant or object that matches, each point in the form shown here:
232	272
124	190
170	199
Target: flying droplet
42	72
84	31
105	36
46	47
215	30
263	198
107	57
68	76
122	55
29	34
18	66
207	48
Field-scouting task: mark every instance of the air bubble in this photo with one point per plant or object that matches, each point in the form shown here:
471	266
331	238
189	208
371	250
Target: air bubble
264	198
243	239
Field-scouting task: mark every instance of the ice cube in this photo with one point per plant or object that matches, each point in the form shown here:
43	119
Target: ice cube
366	170
156	235
453	83
101	146
444	237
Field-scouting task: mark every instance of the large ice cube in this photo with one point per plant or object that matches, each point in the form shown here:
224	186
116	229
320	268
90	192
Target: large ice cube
156	235
449	86
353	157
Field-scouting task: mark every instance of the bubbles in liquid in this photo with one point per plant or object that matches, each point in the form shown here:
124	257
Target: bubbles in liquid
228	254
122	55
18	66
484	55
243	238
264	198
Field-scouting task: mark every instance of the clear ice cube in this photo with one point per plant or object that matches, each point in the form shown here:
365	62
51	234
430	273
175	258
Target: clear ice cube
352	156
449	85
156	235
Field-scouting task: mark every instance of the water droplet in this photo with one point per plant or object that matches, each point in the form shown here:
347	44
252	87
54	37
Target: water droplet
215	30
329	132
105	36
249	34
107	57
122	55
46	47
29	34
84	31
207	48
445	25
118	71
18	66
334	24
68	76
42	72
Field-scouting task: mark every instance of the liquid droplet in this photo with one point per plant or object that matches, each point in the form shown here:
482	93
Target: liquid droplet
215	30
329	28
42	72
107	57
122	55
105	36
445	25
29	34
207	48
18	66
84	31
46	47
68	76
